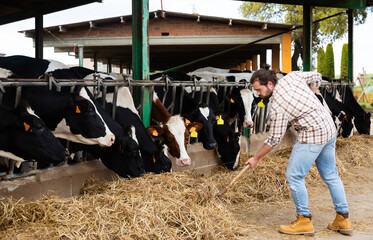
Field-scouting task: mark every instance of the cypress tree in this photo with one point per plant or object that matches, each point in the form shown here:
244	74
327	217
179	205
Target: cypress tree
344	62
320	61
329	62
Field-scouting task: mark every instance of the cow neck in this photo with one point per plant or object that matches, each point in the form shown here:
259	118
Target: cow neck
159	112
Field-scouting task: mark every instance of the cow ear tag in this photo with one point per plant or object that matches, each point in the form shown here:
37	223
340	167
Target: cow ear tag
261	104
193	132
77	110
187	121
155	133
232	101
228	139
153	159
27	127
220	120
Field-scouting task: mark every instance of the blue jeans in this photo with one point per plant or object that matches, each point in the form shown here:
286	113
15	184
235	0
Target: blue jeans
301	159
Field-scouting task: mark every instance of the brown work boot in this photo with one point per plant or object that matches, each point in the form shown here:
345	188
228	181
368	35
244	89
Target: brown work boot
302	226
341	224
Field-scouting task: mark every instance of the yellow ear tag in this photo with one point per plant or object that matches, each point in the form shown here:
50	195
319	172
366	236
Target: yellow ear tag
261	104
155	133
187	121
153	159
27	127
77	110
228	139
193	132
220	121
232	101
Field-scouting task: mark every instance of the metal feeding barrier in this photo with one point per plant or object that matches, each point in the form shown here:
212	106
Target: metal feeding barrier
100	87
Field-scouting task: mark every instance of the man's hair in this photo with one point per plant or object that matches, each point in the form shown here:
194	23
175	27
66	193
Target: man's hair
264	75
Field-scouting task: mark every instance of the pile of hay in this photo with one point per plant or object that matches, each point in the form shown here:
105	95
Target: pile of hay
175	205
166	206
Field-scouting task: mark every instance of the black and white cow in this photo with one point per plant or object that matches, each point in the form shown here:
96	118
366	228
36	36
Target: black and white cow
123	157
19	66
342	121
239	101
229	141
24	136
153	154
70	116
190	108
361	117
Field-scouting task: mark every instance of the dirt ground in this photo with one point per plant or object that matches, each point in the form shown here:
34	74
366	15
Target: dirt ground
263	220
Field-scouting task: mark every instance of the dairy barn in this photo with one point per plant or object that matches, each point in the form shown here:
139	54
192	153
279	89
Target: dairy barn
145	176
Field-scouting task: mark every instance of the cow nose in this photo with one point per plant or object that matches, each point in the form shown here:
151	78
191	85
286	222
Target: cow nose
185	162
248	124
112	139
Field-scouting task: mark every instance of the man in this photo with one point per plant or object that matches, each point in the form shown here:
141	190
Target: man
294	103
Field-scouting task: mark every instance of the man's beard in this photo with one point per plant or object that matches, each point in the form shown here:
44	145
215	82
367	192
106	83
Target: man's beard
269	92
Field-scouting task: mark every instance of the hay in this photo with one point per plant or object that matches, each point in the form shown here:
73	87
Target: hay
175	205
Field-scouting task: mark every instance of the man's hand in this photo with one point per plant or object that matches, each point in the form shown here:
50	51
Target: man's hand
252	161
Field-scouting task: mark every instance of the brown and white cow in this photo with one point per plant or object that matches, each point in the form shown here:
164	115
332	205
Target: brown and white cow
174	130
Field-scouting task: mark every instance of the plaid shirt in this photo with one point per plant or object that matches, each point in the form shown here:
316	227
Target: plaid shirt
293	103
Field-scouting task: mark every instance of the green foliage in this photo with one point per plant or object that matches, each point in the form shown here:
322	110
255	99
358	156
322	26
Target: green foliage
320	61
329	62
344	62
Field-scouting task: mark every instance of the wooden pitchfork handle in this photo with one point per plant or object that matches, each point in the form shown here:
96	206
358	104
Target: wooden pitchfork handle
233	181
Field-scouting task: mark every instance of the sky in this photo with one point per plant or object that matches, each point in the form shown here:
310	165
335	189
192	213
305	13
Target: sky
14	43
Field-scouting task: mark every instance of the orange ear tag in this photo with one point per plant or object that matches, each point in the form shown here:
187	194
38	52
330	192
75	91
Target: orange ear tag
155	133
187	121
77	110
153	159
27	127
228	139
261	104
220	121
120	148
193	132
232	101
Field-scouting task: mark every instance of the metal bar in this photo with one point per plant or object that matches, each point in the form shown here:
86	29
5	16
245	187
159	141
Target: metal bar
350	13
307	37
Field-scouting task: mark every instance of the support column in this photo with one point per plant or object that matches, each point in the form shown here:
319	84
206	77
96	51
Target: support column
263	58
243	66
307	38
276	57
286	52
109	66
255	62
248	64
140	54
81	55
95	61
350	44
39	37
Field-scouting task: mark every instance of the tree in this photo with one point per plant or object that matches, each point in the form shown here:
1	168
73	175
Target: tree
322	32
344	62
320	61
329	62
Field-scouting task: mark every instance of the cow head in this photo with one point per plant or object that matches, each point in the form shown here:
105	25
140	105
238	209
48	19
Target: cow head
160	161
362	123
204	115
241	103
128	160
84	124
30	139
228	145
175	135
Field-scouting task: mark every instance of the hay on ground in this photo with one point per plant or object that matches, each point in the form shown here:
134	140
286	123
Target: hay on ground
175	205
